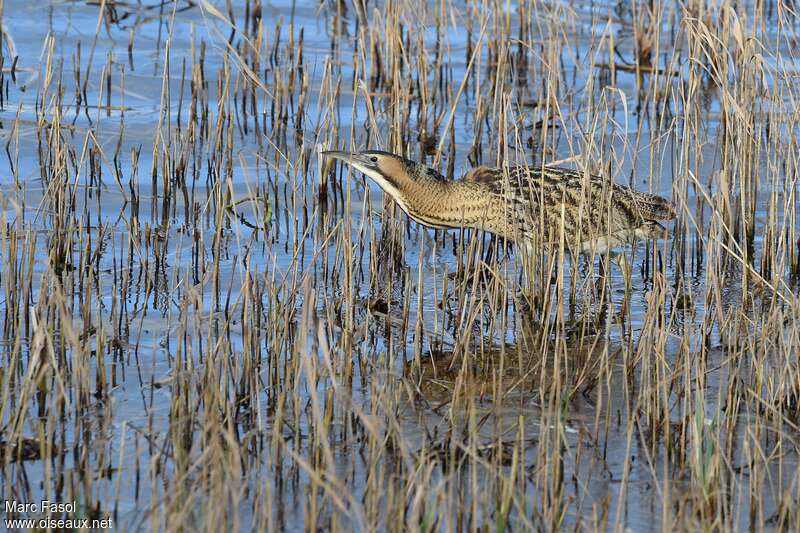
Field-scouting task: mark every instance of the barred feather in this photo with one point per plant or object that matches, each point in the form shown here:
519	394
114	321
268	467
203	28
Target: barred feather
590	208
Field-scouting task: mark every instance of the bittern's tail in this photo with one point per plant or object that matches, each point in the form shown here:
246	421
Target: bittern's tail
652	207
652	230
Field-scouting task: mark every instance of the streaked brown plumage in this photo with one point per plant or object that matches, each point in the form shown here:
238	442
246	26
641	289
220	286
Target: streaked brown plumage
527	205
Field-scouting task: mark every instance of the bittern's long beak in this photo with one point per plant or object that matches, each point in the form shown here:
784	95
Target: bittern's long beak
342	156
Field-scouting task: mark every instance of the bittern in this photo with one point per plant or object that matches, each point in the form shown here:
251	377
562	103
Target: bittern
526	205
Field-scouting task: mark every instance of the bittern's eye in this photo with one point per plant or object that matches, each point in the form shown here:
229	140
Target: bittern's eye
374	159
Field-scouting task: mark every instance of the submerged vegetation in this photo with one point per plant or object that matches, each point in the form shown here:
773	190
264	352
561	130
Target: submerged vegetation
206	325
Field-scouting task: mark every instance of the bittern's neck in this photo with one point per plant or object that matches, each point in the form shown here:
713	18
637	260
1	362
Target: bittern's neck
433	201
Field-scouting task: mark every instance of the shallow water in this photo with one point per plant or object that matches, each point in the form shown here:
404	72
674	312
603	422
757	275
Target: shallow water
404	329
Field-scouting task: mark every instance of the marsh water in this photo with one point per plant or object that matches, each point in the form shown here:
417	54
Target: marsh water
200	222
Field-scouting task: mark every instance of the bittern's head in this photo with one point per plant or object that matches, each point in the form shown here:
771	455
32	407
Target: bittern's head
393	173
386	169
397	176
